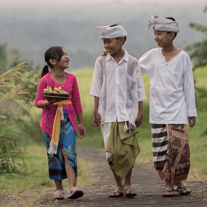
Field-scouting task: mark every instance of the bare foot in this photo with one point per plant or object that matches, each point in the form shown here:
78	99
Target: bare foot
182	188
168	191
129	191
119	192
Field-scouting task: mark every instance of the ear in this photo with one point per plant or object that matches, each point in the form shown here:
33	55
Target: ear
52	61
122	40
172	35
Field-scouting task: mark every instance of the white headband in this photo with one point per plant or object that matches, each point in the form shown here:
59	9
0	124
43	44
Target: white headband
108	32
163	24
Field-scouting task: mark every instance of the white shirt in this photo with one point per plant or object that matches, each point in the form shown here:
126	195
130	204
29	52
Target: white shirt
172	95
119	88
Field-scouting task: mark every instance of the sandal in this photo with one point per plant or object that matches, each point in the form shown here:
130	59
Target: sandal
59	195
182	193
114	195
169	195
130	193
75	194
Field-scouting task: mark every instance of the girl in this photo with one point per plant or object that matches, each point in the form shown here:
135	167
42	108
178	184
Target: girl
60	136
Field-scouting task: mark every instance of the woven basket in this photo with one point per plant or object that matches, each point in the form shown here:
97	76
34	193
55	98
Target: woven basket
56	95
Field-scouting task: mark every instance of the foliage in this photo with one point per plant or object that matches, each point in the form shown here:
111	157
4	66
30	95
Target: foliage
10	156
198	50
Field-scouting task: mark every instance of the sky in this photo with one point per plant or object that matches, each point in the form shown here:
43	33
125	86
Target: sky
54	3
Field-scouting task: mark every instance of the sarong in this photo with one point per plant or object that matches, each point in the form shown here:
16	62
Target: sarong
56	162
177	166
124	147
159	145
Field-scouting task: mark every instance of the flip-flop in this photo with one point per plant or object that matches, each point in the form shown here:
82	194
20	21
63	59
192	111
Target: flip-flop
130	193
59	195
169	195
181	193
75	194
114	194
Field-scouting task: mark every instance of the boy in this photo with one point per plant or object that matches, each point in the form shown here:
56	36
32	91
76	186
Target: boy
118	91
172	104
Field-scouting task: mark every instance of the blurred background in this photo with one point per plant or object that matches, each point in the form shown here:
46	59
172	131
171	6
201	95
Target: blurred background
29	27
32	26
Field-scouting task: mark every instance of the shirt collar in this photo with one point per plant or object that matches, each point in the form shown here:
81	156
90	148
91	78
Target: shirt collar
125	57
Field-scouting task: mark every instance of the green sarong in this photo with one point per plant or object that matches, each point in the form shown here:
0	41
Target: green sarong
124	147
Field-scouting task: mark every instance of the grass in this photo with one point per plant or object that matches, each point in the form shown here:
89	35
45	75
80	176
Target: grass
36	176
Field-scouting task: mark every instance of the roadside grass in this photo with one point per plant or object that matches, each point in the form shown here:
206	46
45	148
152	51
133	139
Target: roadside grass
36	176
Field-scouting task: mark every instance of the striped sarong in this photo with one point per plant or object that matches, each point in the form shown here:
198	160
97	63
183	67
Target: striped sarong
159	145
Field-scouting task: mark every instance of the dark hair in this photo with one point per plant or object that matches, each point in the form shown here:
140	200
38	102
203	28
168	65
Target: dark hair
174	21
114	25
55	52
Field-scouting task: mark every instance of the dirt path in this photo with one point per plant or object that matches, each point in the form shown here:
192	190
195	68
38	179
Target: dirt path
144	179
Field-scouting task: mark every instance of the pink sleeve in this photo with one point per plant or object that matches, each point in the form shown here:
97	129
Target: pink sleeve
39	96
76	101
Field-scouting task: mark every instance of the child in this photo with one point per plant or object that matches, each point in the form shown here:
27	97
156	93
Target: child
118	91
172	104
60	136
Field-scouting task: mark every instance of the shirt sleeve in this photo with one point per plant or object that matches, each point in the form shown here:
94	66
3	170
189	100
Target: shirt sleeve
145	63
189	90
140	84
39	96
97	80
76	101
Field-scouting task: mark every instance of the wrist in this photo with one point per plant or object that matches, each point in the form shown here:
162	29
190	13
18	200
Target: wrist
81	122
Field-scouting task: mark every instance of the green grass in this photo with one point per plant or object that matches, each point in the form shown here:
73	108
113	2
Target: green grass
36	176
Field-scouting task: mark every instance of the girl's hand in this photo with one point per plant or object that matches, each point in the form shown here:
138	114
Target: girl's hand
82	130
138	120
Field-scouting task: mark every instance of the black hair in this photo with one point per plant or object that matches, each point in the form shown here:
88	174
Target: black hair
114	25
56	53
171	18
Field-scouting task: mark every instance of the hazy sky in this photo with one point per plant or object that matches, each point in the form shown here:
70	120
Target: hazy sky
53	3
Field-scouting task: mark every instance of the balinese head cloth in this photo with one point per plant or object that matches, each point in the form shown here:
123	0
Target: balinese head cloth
163	24
108	32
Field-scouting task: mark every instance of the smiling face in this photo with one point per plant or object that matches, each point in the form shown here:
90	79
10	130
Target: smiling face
163	39
113	45
64	61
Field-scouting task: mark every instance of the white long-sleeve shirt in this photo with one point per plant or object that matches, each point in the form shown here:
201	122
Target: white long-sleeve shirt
172	95
119	88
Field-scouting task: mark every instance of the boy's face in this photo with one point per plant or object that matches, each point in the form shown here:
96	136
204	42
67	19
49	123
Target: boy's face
162	38
113	45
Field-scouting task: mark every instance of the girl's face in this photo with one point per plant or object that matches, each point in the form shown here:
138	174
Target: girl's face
113	45
163	39
64	61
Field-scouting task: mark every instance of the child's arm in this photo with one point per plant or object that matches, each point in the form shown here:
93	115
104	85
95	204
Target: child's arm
95	91
189	92
139	118
81	124
96	116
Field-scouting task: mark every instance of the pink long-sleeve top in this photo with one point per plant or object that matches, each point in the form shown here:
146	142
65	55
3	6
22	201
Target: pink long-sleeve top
48	113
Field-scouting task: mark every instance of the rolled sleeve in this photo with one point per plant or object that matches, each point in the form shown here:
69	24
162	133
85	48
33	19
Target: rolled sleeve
97	80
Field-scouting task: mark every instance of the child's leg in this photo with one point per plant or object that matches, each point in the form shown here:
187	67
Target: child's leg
127	185
58	184
69	171
120	188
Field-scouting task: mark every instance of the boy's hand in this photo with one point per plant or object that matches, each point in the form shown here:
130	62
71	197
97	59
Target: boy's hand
191	121
104	53
82	130
138	120
96	119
